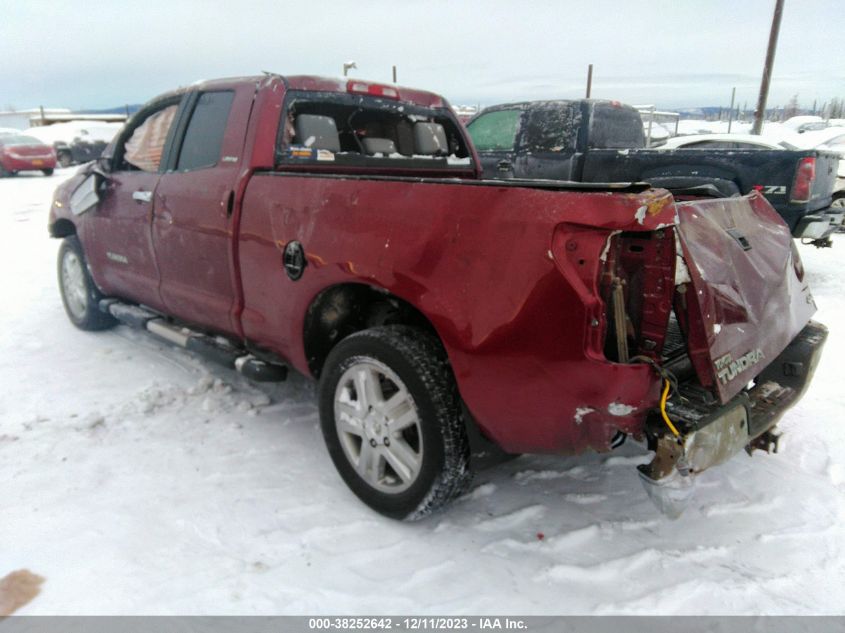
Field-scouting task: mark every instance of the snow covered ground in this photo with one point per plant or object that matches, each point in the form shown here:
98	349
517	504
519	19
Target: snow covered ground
139	479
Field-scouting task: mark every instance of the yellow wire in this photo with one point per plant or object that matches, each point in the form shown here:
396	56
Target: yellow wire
663	410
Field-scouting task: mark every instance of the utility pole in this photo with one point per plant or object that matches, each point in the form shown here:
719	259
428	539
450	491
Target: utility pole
731	114
589	80
767	69
394	74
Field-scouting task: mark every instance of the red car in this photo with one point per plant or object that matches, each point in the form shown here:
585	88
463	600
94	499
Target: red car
25	153
342	229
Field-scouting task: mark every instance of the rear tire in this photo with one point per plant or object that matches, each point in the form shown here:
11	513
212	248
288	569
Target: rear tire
80	295
65	159
4	173
392	422
47	172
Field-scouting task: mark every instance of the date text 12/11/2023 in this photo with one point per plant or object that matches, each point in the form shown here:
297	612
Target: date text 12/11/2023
417	623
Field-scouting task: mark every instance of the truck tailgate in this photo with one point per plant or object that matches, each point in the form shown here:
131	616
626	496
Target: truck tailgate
826	169
749	297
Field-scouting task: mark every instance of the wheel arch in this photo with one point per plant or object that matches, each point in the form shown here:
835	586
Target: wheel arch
727	185
62	227
345	308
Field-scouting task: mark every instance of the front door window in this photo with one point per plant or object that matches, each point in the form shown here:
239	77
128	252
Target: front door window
144	148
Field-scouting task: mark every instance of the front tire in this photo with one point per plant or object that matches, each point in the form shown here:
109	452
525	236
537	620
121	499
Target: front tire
65	159
80	296
391	418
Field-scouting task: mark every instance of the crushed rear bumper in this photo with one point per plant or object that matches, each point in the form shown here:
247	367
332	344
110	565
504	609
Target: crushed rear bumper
711	432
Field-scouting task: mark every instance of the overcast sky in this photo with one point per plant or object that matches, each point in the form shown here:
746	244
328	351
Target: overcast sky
671	53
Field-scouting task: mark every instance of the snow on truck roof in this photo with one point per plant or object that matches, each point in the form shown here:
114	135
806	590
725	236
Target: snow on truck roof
553	103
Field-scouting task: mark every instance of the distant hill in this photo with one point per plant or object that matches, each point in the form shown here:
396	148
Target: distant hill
132	109
713	112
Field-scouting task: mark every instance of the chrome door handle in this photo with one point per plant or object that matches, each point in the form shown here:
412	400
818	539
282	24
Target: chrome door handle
142	196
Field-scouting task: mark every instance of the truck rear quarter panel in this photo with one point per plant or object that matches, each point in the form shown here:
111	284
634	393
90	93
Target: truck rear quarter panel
511	293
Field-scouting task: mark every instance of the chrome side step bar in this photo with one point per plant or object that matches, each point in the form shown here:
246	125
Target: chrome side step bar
217	349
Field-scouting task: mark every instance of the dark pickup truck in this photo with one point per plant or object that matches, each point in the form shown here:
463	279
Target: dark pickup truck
602	141
342	229
78	151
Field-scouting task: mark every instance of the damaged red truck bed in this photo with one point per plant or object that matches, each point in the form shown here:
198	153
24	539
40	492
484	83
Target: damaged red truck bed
341	228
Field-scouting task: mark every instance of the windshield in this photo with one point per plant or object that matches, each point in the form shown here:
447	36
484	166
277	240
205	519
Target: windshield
20	140
836	144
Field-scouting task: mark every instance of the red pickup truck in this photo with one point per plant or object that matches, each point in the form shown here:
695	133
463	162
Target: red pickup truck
342	228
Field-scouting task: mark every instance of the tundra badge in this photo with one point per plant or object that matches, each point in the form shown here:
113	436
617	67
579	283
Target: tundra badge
727	369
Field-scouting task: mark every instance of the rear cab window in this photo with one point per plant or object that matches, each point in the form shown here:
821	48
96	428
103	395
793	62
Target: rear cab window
495	131
17	141
614	126
330	130
553	130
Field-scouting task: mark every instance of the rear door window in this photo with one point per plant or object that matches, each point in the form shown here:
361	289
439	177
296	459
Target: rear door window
552	129
204	136
495	130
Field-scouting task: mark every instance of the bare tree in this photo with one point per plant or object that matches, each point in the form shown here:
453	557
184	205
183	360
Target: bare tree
792	109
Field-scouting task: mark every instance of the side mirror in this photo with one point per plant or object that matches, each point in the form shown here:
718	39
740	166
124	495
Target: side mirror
86	196
103	166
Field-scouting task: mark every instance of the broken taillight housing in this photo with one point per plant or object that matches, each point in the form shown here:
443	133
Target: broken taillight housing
804	177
